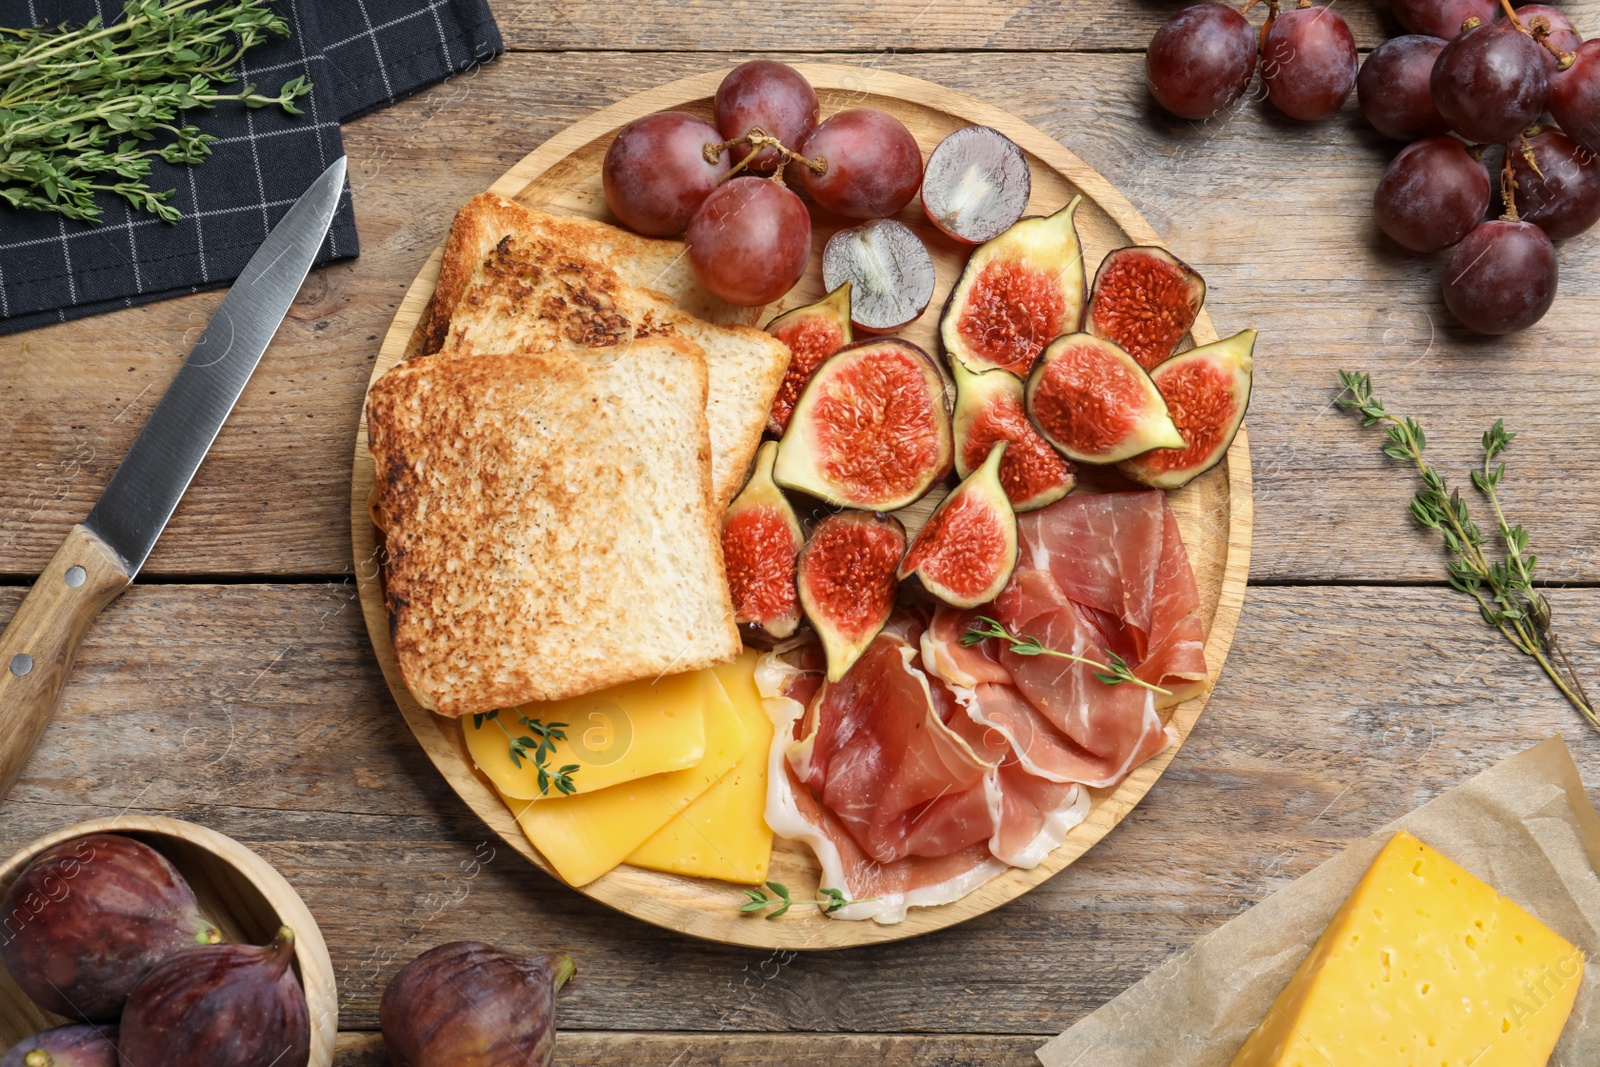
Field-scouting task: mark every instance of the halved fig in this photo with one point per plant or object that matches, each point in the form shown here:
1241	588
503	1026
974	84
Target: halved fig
1095	403
813	333
871	430
847	582
889	269
965	553
1018	293
1207	390
989	409
760	539
976	184
1145	299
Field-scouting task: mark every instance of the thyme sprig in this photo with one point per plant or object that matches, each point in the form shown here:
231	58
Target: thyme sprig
81	107
1114	673
1503	589
759	900
536	752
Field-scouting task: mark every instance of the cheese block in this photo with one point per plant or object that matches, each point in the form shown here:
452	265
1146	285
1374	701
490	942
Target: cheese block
724	834
584	836
1423	966
614	735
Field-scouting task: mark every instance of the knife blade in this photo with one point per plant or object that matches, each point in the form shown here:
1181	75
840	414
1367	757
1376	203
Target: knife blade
102	554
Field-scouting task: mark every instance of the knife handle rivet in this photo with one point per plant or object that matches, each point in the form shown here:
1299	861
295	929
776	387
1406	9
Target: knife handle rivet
76	575
21	664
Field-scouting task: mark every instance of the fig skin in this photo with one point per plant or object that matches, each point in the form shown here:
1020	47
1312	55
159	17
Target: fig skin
90	917
468	1004
220	1006
75	1045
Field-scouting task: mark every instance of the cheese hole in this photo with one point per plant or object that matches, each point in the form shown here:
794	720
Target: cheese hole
1388	962
1416	868
1425	988
1478	923
1505	1026
1472	943
1519	939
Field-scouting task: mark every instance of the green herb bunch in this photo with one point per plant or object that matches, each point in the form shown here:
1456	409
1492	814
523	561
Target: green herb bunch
81	109
536	752
1503	589
1114	673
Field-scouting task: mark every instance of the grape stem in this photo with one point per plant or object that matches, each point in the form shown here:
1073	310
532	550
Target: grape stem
1508	187
1541	34
1527	149
759	140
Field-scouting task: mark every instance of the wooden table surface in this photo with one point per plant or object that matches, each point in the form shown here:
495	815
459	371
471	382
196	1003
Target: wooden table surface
233	685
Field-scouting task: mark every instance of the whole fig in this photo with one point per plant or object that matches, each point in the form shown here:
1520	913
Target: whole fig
77	1045
220	1006
467	1004
90	917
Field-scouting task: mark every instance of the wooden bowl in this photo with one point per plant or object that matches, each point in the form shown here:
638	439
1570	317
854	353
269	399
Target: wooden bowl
237	890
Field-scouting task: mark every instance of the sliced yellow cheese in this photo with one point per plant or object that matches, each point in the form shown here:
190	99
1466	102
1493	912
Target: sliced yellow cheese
615	735
584	836
1423	966
724	834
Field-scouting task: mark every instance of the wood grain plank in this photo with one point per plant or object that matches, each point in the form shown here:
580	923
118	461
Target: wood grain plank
1276	214
1340	709
601	1049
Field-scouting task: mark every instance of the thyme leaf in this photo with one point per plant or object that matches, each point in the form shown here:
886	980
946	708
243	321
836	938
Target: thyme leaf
538	751
780	900
1114	673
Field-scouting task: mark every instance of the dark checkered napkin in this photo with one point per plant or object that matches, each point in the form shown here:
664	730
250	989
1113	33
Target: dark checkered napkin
358	55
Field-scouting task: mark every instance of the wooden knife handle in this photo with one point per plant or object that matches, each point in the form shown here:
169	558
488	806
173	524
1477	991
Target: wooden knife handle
36	650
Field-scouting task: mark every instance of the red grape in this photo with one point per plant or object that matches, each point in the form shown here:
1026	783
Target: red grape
1560	31
773	96
1442	18
1566	201
655	174
1432	195
1575	97
1308	62
1501	277
1393	88
1200	60
872	164
1490	83
749	241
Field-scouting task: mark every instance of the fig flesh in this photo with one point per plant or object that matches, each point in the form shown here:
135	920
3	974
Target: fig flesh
813	333
871	430
1145	299
90	917
989	408
1095	403
219	1006
77	1045
761	537
1207	390
468	1004
976	185
1016	294
889	271
965	553
847	582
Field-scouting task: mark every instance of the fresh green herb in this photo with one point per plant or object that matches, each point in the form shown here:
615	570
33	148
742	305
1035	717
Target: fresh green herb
536	752
832	900
1114	673
1503	589
80	108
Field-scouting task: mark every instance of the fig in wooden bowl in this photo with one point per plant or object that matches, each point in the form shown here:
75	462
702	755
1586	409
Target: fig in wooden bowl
848	584
965	553
1145	299
74	1045
233	887
1095	403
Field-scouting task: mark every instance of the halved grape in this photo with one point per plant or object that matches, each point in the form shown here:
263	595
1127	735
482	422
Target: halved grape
1565	200
976	184
1575	97
773	96
1442	18
655	173
1308	62
1200	60
1502	277
1490	83
1393	88
1432	195
749	241
871	164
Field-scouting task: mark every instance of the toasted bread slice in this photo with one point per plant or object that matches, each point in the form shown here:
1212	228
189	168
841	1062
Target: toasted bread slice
643	262
531	293
547	521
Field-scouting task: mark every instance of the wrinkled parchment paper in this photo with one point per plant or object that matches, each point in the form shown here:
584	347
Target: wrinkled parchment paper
1524	826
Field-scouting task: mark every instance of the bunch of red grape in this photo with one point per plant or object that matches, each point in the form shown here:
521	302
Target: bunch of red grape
726	188
1471	82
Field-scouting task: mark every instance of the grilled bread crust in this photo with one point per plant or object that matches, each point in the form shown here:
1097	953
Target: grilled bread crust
548	523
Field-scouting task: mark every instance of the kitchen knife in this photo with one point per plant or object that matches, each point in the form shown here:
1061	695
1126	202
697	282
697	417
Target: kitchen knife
103	553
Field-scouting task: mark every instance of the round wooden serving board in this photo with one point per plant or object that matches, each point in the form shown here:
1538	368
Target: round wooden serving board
563	176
